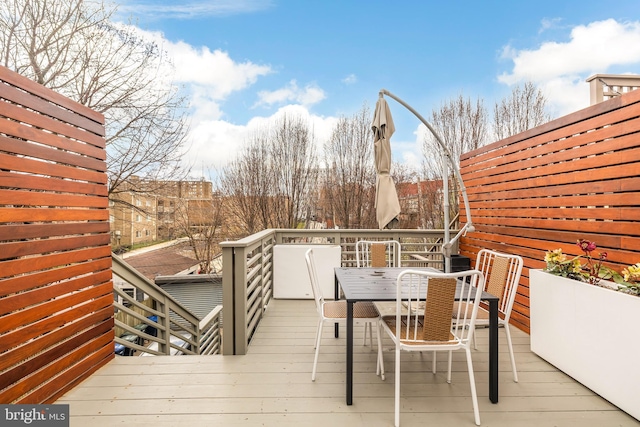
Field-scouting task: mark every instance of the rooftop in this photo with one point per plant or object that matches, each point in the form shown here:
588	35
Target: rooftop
162	260
271	386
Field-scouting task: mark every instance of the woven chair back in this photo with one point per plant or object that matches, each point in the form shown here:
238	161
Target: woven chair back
502	273
498	276
438	307
378	255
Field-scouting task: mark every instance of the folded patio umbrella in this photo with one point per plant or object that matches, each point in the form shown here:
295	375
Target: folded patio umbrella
386	203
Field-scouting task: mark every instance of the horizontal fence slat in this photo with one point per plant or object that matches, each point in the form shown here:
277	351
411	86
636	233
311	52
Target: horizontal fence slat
36	379
51	354
56	294
525	181
612	213
43	294
19	249
40	199
47	214
30	182
36	341
46	108
55	260
33	314
576	177
49	230
62	153
24	165
43	278
65	381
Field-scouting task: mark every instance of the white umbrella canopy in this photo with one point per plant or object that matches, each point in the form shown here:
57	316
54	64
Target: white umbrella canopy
386	203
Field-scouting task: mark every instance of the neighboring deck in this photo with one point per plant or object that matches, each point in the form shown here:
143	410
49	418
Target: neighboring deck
271	386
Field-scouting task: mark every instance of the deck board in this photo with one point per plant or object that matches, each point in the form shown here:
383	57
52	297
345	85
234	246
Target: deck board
271	386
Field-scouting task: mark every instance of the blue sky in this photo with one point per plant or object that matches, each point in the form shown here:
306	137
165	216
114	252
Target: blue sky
244	62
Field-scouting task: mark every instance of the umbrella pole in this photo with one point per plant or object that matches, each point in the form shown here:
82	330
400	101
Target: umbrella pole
446	248
445	192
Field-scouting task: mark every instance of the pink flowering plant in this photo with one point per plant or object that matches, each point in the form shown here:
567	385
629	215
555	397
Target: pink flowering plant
590	268
593	270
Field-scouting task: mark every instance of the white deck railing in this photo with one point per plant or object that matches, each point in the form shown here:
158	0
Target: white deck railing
248	269
174	327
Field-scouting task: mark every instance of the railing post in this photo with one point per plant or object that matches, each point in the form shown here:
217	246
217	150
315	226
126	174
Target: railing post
165	346
228	296
234	286
262	275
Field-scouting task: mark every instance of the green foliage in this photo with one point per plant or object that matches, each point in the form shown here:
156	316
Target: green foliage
592	270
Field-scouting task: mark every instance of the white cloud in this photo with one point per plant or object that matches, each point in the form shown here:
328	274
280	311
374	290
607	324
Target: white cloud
350	79
561	68
309	95
216	142
548	23
215	70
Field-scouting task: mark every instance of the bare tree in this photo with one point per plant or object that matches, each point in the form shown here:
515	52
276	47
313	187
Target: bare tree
72	47
524	109
201	221
293	159
349	182
463	127
247	184
269	184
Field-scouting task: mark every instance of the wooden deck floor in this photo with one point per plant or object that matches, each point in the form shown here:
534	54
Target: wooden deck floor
271	386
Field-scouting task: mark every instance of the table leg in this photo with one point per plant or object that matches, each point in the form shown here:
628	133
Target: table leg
349	353
493	351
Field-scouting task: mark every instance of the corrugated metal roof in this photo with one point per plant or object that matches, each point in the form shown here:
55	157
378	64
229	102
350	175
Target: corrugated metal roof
198	293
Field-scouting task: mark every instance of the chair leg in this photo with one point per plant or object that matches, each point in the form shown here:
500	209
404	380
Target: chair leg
475	344
513	360
397	397
317	347
472	382
449	368
318	334
433	363
380	364
364	342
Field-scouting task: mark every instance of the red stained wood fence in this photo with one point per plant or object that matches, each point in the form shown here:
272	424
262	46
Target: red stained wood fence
577	177
56	294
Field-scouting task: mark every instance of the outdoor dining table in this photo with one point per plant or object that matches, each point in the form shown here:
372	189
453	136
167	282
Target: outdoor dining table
379	284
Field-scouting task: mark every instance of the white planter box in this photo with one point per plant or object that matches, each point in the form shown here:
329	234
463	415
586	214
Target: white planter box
590	333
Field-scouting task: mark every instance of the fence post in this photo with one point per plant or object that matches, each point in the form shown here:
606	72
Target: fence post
228	297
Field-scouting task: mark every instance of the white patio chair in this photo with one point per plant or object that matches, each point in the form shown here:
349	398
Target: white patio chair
336	312
502	276
380	253
384	253
425	323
